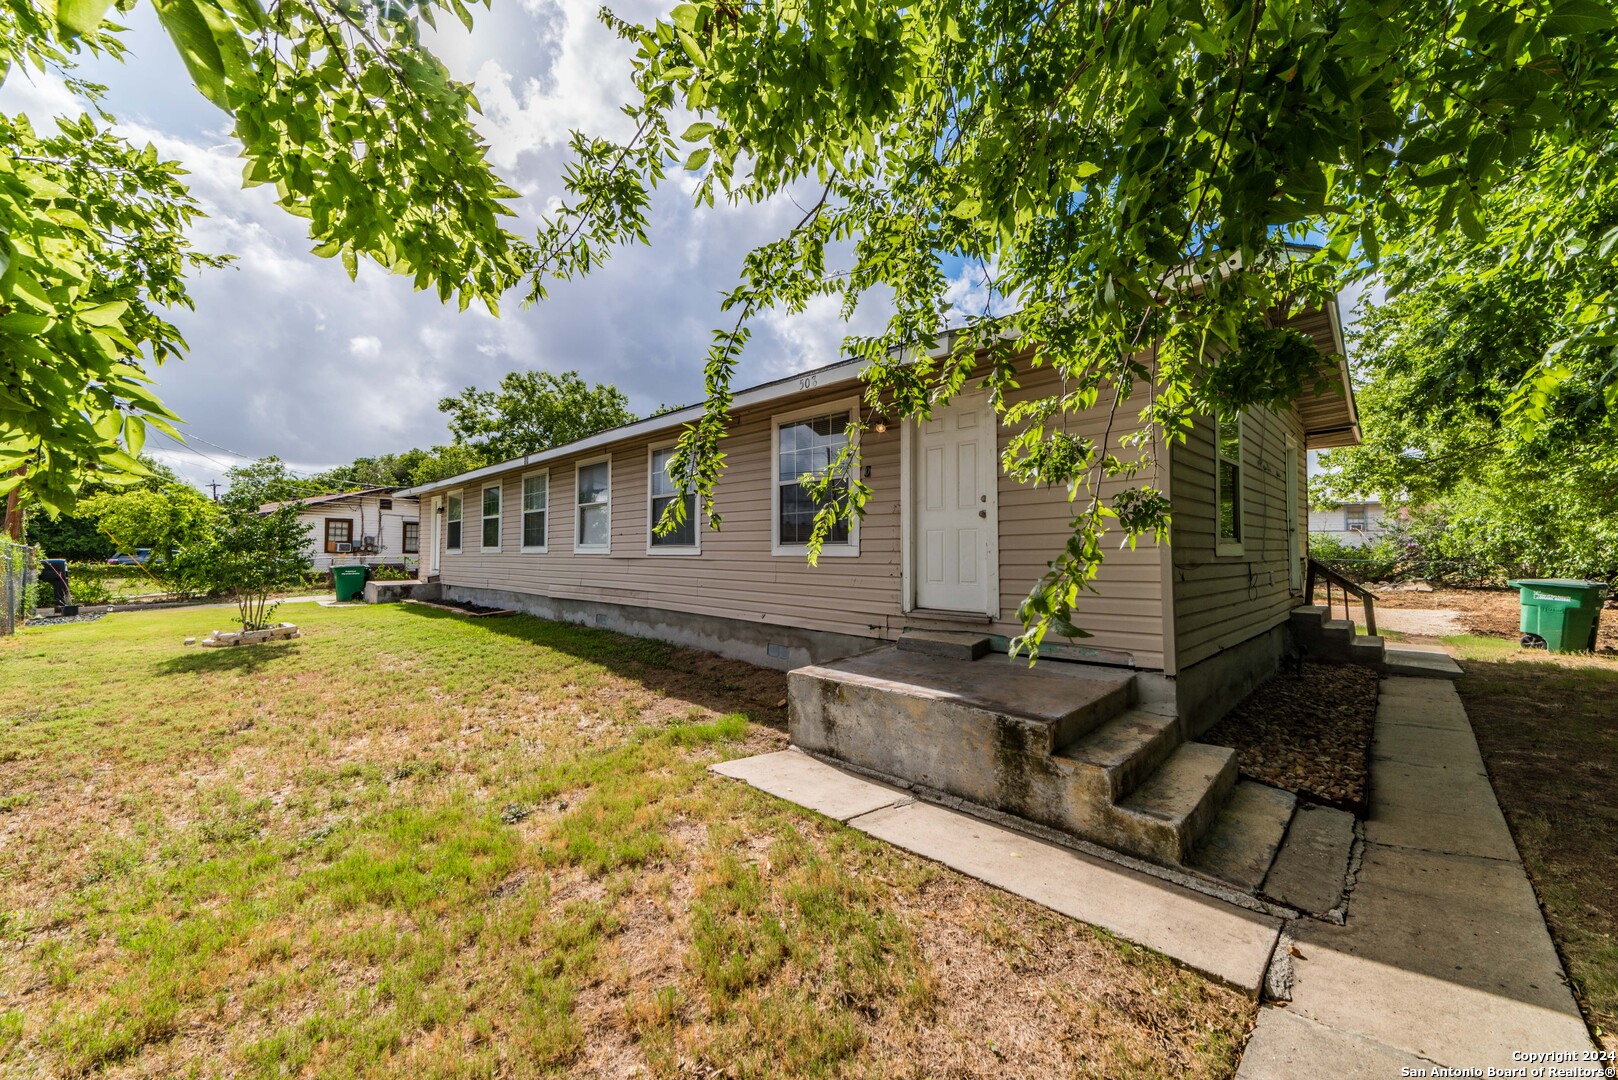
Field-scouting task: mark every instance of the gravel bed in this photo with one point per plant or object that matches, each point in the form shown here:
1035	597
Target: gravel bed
1307	731
57	620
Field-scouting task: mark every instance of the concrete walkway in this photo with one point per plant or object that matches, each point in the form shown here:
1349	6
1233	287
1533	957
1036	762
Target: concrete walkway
1229	943
1444	958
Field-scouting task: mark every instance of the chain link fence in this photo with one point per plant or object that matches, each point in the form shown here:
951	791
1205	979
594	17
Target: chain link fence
19	573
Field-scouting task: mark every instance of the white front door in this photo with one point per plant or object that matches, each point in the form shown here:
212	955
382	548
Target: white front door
434	546
954	517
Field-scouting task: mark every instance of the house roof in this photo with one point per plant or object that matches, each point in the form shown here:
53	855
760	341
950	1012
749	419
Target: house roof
1327	417
336	496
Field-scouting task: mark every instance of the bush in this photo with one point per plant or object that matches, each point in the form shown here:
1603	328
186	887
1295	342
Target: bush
1379	560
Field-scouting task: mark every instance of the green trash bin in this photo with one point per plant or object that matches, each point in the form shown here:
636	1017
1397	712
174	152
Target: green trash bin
1561	612
350	581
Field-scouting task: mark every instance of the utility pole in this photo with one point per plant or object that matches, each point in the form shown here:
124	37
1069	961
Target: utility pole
214	484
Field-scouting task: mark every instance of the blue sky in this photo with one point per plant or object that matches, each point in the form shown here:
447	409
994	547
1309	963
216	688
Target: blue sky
289	357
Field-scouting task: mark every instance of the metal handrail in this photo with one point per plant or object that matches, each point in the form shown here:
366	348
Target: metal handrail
1332	577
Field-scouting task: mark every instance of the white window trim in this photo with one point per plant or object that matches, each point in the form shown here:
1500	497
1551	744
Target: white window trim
522	513
592	549
694	548
849	550
498	487
1222	546
459	494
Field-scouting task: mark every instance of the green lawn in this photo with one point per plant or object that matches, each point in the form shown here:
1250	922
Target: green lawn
410	844
1548	729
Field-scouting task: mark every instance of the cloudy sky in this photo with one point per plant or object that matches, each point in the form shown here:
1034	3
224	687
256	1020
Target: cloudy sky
289	357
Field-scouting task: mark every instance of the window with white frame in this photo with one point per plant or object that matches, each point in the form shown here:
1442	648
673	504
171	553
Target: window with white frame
452	518
490	538
664	491
1228	483
808	447
536	501
593	499
1354	517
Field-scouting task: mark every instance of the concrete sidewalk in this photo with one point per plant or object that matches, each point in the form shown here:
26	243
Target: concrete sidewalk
1444	958
1230	943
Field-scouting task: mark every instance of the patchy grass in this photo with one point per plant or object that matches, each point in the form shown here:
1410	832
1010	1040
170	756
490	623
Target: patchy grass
1548	728
410	844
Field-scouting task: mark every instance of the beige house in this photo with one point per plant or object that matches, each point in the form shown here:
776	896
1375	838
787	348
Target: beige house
374	527
947	543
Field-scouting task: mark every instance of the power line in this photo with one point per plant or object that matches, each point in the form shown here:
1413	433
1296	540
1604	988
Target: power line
189	436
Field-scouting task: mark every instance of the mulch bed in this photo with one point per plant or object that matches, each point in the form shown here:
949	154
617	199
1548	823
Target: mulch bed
463	607
1307	731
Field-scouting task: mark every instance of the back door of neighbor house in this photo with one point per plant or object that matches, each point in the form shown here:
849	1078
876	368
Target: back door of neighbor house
954	525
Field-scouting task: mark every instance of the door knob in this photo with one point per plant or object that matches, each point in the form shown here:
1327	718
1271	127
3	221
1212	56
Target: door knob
983	513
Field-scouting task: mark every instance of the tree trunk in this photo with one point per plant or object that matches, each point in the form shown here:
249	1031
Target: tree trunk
14	510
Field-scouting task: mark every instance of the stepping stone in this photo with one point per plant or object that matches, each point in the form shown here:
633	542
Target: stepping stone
1312	865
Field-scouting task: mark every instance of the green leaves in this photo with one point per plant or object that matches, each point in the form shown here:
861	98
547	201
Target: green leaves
79	17
1572	17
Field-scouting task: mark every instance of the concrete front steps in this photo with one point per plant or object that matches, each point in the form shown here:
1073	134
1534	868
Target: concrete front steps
1064	746
1336	641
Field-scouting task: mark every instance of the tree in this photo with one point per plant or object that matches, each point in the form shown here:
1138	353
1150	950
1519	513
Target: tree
1442	366
339	106
249	557
76	536
264	481
1127	179
532	411
169	520
444	461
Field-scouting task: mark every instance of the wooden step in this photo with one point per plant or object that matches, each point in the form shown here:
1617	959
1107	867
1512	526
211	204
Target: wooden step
1116	757
1171	811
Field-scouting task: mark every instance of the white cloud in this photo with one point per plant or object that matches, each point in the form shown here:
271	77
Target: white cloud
365	345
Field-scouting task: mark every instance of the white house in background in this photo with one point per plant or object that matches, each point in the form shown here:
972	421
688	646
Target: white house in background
1352	523
373	527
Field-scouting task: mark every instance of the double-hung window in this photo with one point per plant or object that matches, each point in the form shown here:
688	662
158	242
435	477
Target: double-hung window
452	520
665	490
593	503
1228	483
412	537
1354	517
808	447
536	501
490	539
339	531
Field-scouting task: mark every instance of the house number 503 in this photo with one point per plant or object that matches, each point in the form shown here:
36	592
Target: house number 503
808	382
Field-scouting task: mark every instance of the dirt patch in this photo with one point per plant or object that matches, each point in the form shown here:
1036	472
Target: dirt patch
1485	612
1307	731
1549	736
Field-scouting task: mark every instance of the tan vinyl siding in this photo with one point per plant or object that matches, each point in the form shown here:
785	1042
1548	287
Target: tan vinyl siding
736	576
1222	600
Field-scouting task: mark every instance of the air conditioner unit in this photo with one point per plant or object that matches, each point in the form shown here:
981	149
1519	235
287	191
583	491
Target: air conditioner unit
344	548
370	543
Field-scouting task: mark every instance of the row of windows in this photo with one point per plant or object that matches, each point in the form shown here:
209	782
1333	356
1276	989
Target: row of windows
806	448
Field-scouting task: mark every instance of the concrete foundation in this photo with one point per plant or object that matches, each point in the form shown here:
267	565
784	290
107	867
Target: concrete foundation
1206	691
767	645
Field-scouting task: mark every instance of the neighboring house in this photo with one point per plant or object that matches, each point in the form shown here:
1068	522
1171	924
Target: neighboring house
1354	524
948	542
375	527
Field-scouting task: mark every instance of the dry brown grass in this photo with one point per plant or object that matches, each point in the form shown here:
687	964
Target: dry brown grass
414	845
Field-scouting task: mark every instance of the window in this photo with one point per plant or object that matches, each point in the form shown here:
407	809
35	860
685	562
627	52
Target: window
453	517
338	531
1228	483
536	498
683	538
1354	517
412	537
387	504
490	539
808	444
594	501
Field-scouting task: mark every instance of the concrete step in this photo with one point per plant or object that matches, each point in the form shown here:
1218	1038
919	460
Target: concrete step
1111	761
1309	617
1366	650
952	644
1170	812
1241	845
1338	628
1421	661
